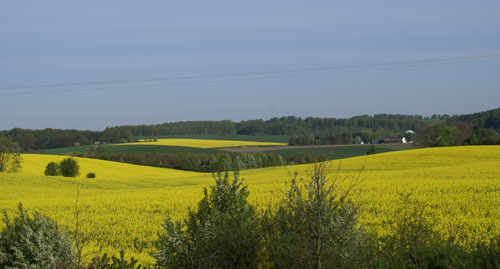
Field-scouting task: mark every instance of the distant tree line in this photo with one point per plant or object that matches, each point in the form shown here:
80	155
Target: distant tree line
488	119
480	128
358	137
56	138
324	130
457	134
289	125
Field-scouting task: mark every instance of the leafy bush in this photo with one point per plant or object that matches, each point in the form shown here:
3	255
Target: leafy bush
371	150
315	225
34	242
52	169
91	175
69	167
222	233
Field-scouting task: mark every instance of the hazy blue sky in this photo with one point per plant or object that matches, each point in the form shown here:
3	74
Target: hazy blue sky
47	42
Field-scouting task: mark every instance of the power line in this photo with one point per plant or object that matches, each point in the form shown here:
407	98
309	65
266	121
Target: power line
290	73
85	83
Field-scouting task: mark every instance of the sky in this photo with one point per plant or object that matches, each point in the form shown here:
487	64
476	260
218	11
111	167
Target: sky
172	55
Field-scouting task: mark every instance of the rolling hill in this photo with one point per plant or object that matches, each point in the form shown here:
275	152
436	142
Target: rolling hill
126	204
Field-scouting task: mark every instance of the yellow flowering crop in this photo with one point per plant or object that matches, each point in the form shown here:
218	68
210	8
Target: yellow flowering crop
204	143
125	204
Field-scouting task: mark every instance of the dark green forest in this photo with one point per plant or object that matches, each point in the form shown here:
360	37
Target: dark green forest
341	131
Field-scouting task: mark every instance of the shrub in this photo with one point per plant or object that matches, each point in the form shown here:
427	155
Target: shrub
222	233
34	242
91	175
69	167
52	169
315	226
371	150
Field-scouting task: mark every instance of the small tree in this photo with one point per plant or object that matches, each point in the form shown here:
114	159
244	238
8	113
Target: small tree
371	150
34	242
52	169
10	159
316	225
69	167
222	233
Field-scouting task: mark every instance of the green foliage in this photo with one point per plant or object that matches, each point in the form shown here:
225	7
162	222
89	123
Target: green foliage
302	157
223	162
413	242
487	137
488	119
106	262
202	162
444	135
52	169
189	162
34	242
367	127
96	150
439	135
246	161
410	136
69	167
459	133
10	159
222	233
91	175
336	139
371	150
56	138
315	226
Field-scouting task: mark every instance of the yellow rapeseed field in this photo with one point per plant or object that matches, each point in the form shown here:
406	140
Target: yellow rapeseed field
125	204
204	143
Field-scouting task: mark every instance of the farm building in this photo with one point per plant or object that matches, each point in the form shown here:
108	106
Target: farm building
393	140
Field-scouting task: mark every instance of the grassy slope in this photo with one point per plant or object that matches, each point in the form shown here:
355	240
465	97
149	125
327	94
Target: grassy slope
340	152
127	203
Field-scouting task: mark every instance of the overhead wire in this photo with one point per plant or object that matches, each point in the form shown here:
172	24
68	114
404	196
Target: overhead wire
286	73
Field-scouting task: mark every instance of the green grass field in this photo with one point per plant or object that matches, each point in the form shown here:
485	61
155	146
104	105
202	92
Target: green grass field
343	152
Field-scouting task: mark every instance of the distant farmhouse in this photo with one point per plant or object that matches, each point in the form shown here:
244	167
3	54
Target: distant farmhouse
392	140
